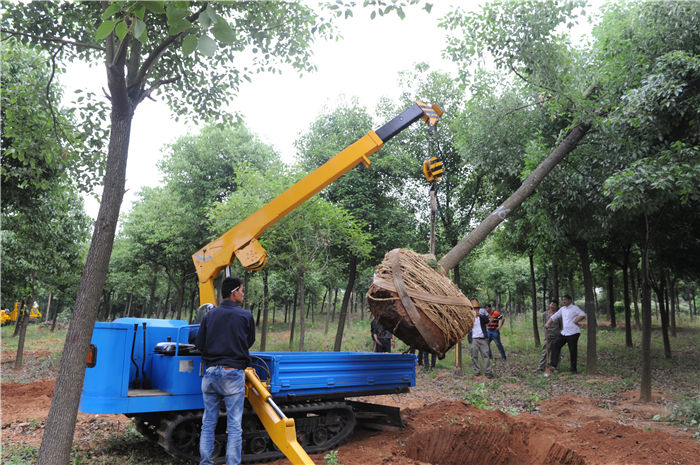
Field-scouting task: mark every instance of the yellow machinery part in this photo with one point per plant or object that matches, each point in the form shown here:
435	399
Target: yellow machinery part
280	428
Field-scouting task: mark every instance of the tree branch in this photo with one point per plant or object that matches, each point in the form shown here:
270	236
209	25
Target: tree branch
48	93
150	61
534	84
52	39
147	93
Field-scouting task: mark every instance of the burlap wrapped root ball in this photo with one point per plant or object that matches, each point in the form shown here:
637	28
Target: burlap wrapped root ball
419	305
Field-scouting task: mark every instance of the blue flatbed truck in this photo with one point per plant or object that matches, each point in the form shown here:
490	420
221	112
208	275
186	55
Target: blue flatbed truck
145	369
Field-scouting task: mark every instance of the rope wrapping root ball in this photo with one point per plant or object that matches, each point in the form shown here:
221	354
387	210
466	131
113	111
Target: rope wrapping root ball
418	304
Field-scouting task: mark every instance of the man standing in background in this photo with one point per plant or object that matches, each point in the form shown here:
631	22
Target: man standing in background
494	330
571	317
478	343
551	334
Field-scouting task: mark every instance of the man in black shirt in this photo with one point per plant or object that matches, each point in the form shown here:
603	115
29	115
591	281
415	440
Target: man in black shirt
225	335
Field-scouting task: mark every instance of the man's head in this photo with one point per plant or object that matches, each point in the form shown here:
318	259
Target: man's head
567	300
232	289
488	308
553	305
475	304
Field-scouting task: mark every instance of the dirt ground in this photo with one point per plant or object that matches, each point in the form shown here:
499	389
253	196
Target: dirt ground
440	430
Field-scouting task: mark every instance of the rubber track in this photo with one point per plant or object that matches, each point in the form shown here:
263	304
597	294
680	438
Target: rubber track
178	432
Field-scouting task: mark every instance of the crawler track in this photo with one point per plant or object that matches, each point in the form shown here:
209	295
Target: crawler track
320	426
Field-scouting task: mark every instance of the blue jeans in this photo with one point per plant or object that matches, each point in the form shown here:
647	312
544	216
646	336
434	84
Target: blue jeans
228	385
496	336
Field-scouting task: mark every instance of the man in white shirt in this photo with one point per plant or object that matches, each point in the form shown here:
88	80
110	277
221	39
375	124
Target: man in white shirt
571	317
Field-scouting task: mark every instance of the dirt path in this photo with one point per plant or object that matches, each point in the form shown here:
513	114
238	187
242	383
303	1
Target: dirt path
441	431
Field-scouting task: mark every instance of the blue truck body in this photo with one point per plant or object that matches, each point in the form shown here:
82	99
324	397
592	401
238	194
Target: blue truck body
140	381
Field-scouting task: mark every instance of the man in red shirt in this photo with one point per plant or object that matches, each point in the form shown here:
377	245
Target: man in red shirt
494	330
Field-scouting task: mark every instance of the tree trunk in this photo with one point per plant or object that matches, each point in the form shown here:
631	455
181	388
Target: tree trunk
302	318
48	308
626	297
57	309
23	322
128	306
294	319
645	381
611	300
533	291
476	236
60	423
152	298
592	323
555	280
660	290
18	322
634	279
328	311
266	307
674	304
180	299
352	272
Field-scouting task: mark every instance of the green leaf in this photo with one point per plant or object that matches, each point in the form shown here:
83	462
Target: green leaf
206	46
204	21
113	8
155	6
104	30
223	32
140	12
174	13
179	26
428	7
213	17
189	44
121	29
139	28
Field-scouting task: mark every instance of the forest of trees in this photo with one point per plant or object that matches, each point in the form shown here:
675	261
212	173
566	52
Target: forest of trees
614	224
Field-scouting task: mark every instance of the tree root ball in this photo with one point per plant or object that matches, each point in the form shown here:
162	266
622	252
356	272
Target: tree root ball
418	304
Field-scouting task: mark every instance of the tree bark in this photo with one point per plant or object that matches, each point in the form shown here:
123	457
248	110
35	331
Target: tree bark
626	292
645	381
352	274
57	309
533	292
478	234
48	308
611	300
660	290
302	318
555	280
152	297
634	279
60	423
328	311
266	308
592	323
294	319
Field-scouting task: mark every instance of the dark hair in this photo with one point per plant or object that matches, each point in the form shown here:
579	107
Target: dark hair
487	305
567	296
555	301
228	285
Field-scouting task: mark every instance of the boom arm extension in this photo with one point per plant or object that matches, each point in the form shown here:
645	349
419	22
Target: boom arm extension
241	240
